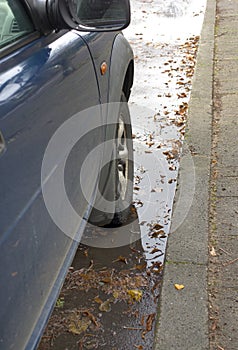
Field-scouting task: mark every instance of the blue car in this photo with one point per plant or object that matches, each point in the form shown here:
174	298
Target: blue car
66	155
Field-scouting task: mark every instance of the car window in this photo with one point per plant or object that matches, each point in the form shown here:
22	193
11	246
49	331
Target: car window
14	22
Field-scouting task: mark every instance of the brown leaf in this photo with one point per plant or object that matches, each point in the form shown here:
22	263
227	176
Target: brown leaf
155	250
98	300
157	233
142	321
156	227
149	322
140	267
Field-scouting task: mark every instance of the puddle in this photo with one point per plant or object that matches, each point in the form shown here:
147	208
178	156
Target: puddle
108	301
164	36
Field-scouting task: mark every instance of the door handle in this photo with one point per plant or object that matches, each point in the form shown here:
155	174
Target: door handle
2	144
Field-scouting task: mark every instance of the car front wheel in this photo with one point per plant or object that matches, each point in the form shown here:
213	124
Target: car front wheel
117	182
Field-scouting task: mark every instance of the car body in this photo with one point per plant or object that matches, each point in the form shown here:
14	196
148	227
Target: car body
50	69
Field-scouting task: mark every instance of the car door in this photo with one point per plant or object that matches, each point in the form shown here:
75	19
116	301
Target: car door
44	81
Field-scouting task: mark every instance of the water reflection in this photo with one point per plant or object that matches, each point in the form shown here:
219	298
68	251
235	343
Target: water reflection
175	8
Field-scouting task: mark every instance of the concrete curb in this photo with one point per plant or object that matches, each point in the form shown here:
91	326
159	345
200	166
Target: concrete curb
183	315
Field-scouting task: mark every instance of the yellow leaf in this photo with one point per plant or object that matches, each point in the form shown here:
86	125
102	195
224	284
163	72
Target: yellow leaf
179	286
135	294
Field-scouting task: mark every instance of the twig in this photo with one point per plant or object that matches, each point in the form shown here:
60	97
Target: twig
224	251
230	262
219	347
133	328
90	266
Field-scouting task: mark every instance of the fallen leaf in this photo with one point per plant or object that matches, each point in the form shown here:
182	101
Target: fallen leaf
213	252
135	294
149	322
150	143
98	300
106	306
78	326
155	250
156	227
141	267
156	189
170	181
179	286
157	233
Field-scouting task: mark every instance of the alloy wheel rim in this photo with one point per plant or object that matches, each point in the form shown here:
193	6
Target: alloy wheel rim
123	162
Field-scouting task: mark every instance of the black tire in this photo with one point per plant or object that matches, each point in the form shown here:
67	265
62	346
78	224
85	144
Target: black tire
123	166
119	174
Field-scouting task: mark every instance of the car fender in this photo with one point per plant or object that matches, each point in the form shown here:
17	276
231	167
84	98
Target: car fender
121	58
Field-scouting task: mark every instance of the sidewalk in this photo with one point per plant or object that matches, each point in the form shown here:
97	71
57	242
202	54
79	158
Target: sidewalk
202	253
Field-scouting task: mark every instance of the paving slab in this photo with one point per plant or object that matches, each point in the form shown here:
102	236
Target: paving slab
182	314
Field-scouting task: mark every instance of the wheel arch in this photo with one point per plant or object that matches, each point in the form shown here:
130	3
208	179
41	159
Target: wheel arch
121	69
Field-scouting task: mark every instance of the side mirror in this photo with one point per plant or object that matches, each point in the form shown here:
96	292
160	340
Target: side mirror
89	15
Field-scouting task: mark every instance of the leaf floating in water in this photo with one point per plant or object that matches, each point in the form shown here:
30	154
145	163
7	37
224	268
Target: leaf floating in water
141	267
157	190
78	325
156	227
155	250
157	233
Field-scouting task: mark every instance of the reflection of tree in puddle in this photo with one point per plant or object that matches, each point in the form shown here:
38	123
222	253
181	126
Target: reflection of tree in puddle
175	8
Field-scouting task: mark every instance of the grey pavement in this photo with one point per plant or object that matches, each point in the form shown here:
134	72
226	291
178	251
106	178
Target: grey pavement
202	252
